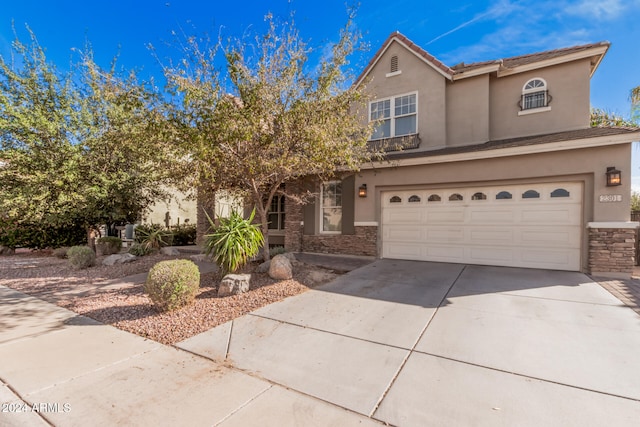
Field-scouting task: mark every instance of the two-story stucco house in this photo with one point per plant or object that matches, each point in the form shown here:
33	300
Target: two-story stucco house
489	163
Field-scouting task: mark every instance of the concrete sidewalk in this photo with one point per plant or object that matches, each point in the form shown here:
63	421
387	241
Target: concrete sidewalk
62	369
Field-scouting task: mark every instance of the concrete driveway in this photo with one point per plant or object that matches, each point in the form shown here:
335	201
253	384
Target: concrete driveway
419	343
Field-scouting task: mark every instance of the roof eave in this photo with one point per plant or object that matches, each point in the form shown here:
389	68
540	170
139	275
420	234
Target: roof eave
579	143
597	52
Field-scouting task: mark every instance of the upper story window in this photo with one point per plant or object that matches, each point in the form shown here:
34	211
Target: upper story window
396	116
331	207
535	94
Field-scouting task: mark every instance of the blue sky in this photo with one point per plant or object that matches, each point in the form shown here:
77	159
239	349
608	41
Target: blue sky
453	32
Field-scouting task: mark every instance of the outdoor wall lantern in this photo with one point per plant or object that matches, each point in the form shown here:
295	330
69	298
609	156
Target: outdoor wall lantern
362	190
614	176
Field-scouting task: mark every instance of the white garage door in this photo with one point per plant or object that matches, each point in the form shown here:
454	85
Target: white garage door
533	225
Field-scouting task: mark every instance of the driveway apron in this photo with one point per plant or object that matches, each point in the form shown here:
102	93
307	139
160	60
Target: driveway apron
421	343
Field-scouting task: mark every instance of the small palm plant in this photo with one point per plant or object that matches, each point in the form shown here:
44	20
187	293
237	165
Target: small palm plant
233	242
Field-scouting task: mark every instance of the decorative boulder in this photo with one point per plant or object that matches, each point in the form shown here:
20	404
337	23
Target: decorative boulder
118	259
234	284
168	250
198	258
264	267
280	268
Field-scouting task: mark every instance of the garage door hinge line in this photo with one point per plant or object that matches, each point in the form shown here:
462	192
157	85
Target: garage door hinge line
406	358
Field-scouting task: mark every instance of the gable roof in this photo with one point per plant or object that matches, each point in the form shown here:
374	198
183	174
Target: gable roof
534	60
413	48
502	67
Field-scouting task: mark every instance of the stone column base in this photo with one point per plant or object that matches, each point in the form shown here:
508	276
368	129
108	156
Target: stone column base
612	248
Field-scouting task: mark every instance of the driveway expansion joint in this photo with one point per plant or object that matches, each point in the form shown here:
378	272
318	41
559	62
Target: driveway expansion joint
477	365
239	408
413	348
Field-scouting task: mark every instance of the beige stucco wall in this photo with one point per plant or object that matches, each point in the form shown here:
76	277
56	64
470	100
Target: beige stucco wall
418	76
180	208
568	84
468	111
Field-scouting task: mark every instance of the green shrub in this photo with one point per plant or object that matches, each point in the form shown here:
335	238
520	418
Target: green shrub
40	236
152	237
61	252
183	235
108	245
172	284
81	257
233	242
276	250
138	250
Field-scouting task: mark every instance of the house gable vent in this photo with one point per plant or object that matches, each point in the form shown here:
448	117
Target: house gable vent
393	67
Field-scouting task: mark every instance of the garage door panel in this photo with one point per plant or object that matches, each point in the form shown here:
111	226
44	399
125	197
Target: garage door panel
492	255
445	253
541	232
563	215
490	216
557	237
444	235
404	216
491	236
403	234
444	216
561	259
403	251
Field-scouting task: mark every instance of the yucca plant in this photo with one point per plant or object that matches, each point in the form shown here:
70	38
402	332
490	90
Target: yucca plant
232	243
153	239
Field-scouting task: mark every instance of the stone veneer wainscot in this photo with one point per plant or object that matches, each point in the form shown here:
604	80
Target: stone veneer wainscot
612	250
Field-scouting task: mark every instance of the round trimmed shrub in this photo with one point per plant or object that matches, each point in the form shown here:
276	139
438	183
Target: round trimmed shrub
172	284
81	257
60	252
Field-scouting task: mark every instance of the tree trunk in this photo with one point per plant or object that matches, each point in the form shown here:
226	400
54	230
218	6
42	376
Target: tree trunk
91	238
264	226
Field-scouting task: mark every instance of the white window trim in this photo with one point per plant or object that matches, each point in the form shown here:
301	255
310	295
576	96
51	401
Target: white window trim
395	73
392	117
545	88
278	231
321	206
534	110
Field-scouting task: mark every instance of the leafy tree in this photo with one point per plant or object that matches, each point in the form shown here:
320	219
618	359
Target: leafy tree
270	117
634	96
635	201
603	118
81	147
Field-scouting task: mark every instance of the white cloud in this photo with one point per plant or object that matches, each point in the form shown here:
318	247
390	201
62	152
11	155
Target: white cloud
528	26
599	9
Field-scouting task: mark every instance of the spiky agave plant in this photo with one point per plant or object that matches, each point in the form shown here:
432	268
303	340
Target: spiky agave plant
232	243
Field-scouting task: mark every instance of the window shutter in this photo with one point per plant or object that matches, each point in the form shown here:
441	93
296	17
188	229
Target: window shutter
309	210
348	204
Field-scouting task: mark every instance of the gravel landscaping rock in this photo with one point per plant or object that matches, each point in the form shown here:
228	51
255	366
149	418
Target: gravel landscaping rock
119	259
234	284
98	292
168	250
